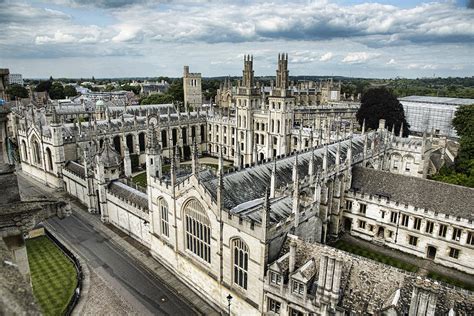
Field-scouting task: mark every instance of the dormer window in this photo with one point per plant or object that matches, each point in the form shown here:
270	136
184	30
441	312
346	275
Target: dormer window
275	278
297	288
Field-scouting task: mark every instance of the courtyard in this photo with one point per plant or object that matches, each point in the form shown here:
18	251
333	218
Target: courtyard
53	275
405	262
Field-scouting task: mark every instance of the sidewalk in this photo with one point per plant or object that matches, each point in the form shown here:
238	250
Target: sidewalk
134	250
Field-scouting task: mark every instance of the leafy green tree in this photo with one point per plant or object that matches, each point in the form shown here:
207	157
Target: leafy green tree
157	99
44	86
380	103
57	91
16	91
70	91
176	90
463	171
134	89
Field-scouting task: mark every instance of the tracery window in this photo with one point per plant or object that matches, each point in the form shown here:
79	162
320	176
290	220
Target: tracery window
36	152
198	230
241	261
165	228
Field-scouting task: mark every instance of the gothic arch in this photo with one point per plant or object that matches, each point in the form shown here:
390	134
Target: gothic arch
24	150
49	159
197	230
36	150
240	255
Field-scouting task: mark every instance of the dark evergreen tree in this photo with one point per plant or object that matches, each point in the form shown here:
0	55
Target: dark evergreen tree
57	91
380	103
43	86
16	91
70	91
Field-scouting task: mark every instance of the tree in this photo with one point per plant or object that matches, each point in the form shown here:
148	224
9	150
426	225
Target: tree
70	91
463	171
57	91
380	103
43	86
157	99
134	89
16	91
176	90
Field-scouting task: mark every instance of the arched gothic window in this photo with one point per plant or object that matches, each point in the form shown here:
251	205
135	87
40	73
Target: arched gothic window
24	150
36	152
165	228
240	262
198	230
49	160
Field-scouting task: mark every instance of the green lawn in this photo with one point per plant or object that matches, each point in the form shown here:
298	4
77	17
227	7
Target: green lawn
53	275
140	179
445	279
364	252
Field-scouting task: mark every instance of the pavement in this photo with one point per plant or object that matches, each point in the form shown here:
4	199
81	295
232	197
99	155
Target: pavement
135	282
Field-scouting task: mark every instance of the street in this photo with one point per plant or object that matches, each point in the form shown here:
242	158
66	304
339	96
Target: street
137	285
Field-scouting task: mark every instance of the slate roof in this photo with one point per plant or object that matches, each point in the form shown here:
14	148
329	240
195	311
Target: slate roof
250	183
428	194
75	168
129	194
280	209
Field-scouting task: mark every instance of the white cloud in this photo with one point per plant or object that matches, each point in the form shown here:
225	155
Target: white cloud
326	57
127	32
359	57
391	62
59	37
422	66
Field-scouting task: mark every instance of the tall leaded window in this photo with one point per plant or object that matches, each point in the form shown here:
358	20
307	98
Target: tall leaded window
36	152
165	228
241	262
198	230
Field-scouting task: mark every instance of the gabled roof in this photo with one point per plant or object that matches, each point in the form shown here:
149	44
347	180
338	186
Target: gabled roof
432	195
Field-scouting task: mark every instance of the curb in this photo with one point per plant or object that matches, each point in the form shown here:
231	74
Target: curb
141	259
78	309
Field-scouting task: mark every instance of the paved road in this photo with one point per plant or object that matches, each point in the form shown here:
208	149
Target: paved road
138	286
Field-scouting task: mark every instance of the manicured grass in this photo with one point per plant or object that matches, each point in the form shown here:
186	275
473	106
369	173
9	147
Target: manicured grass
445	279
53	275
140	179
364	252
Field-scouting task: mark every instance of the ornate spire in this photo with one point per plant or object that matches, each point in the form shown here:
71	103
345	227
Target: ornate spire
195	158
273	179
363	127
401	130
295	168
296	202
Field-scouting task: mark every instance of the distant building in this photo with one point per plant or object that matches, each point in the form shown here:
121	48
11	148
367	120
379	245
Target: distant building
432	113
148	88
15	79
192	88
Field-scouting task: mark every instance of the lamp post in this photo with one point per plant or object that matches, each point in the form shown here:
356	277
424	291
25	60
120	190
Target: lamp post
229	299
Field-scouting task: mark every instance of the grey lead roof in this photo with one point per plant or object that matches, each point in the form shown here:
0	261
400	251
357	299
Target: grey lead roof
129	194
422	193
250	183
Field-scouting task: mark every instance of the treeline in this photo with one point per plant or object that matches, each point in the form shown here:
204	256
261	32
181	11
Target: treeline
441	87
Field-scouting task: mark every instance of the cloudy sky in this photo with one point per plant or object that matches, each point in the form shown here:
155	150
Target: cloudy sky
120	38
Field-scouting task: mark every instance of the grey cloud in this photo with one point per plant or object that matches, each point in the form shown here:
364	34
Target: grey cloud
470	4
